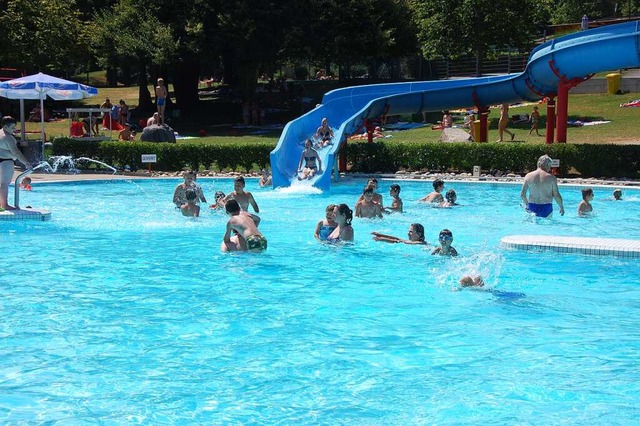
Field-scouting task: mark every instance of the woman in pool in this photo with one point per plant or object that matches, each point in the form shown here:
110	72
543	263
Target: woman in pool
344	231
325	227
415	234
312	162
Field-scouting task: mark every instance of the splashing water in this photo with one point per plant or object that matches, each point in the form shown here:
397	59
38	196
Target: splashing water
67	162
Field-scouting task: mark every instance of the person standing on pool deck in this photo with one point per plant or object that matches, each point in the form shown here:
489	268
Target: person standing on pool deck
543	189
9	152
248	238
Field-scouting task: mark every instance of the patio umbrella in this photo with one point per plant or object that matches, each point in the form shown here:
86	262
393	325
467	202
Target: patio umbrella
39	86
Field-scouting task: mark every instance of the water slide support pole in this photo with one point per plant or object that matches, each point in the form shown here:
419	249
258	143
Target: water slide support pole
563	110
551	120
483	112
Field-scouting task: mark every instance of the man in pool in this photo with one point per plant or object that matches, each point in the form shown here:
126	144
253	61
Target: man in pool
9	152
247	237
543	189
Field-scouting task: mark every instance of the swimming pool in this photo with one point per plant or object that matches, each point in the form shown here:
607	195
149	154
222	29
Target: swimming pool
119	310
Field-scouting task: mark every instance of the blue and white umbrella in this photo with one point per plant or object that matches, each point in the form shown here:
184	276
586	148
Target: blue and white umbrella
39	86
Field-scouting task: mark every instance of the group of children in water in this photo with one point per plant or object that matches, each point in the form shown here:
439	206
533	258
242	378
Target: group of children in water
242	232
336	225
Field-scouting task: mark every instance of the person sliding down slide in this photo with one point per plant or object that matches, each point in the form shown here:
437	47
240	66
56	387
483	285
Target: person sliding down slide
312	162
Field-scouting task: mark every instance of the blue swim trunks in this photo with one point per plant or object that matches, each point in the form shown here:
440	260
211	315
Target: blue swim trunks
161	101
541	210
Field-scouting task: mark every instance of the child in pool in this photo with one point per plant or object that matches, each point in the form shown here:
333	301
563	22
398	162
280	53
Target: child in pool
585	208
190	208
396	203
445	248
26	184
325	227
366	207
617	194
450	199
415	234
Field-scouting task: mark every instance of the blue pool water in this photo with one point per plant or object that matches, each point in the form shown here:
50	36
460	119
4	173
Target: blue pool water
121	311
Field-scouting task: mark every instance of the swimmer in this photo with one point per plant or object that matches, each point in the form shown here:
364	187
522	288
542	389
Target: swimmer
450	199
344	231
471	281
445	248
247	237
265	178
377	198
415	236
244	198
366	207
179	195
396	203
26	184
190	208
617	194
585	208
435	196
543	188
325	227
219	197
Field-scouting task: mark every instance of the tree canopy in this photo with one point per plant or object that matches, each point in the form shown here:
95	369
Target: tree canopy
175	38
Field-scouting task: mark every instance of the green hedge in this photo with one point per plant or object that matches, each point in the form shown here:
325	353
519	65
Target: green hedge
171	156
589	160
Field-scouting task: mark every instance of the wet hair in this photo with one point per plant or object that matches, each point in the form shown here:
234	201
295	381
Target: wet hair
419	229
330	207
451	195
7	120
446	232
437	183
219	195
232	206
395	187
239	179
544	161
586	192
373	180
617	193
347	212
191	194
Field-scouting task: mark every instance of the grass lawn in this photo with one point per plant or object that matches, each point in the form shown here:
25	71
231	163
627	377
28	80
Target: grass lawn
623	129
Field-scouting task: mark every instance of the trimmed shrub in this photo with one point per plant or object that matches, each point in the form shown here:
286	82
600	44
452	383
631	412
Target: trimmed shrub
385	156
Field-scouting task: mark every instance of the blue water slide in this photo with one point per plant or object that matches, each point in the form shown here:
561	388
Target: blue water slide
575	56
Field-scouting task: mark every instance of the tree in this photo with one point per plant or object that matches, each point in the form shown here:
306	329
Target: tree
565	11
41	35
454	28
126	34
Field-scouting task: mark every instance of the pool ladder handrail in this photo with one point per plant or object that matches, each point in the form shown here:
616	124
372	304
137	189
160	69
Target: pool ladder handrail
16	194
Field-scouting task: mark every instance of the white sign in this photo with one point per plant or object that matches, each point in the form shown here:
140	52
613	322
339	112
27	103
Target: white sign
555	163
149	158
476	171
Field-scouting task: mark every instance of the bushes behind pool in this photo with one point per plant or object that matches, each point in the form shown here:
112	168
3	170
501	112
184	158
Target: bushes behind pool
590	160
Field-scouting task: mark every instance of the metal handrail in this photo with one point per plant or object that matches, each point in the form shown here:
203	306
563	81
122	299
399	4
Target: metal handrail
16	195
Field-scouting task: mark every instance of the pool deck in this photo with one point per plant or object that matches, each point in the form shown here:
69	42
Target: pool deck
466	177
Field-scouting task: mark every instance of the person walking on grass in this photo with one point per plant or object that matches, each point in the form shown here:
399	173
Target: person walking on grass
502	124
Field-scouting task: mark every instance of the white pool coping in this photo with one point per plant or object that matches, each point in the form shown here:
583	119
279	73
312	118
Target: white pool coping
25	214
628	249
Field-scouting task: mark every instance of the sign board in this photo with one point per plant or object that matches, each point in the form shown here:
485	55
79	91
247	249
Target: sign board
555	163
149	158
476	171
